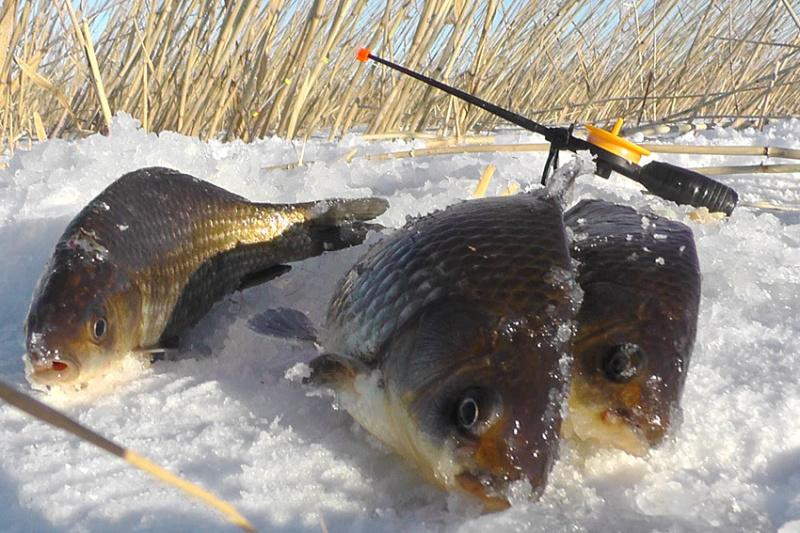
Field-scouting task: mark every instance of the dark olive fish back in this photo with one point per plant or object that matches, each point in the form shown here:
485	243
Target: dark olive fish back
485	250
628	259
153	211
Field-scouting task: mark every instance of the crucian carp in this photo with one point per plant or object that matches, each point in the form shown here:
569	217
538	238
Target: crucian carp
636	326
449	341
149	256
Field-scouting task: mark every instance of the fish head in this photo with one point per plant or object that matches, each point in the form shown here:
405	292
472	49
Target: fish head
631	352
82	315
476	398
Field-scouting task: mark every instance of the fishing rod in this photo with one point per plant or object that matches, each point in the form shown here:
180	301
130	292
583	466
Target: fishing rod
612	152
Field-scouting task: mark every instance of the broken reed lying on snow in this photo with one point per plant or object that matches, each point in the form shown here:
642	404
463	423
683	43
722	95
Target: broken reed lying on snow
247	68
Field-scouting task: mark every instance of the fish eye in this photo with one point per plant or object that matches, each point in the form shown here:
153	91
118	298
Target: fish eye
99	329
623	362
468	412
476	409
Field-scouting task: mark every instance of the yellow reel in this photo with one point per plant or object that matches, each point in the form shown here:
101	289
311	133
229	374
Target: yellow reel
612	142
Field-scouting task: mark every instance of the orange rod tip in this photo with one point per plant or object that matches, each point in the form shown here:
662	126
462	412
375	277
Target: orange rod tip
362	54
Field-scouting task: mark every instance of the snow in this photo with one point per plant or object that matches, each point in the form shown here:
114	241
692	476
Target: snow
226	416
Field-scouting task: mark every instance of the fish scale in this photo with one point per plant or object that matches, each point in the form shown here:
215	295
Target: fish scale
631	252
209	221
477	249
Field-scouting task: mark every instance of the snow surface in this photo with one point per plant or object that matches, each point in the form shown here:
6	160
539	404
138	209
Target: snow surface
225	415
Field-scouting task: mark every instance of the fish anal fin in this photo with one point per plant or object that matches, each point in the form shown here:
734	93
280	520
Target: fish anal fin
334	371
262	276
284	323
167	352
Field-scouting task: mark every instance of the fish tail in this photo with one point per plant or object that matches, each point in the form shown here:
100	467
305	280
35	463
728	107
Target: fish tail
324	226
333	212
339	223
341	236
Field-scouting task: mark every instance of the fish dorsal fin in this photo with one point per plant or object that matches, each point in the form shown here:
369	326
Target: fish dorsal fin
284	323
560	184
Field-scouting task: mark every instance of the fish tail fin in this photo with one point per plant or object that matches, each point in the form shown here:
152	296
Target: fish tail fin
340	223
337	211
329	238
317	227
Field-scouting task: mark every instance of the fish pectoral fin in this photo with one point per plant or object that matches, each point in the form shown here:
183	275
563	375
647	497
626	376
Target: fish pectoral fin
334	371
262	276
284	323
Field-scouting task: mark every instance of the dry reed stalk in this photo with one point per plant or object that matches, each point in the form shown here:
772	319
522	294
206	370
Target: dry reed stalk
145	95
334	33
249	69
8	15
462	140
512	189
450	150
59	420
761	204
792	13
41	134
46	84
704	216
184	87
86	42
748	169
749	41
483	183
765	151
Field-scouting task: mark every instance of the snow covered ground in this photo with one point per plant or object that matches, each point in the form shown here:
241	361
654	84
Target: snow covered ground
225	416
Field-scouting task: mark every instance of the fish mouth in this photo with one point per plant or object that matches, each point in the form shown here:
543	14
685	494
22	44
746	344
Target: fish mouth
59	369
606	428
483	490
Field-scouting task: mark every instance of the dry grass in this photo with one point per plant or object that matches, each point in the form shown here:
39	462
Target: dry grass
436	147
246	69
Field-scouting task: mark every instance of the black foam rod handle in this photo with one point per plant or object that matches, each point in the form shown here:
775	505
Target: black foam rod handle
684	186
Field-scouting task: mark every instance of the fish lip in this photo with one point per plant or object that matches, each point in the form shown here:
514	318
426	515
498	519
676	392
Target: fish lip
650	434
612	427
623	413
474	485
56	369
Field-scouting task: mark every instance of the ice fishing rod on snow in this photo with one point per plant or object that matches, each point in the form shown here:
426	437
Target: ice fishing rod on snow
612	152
